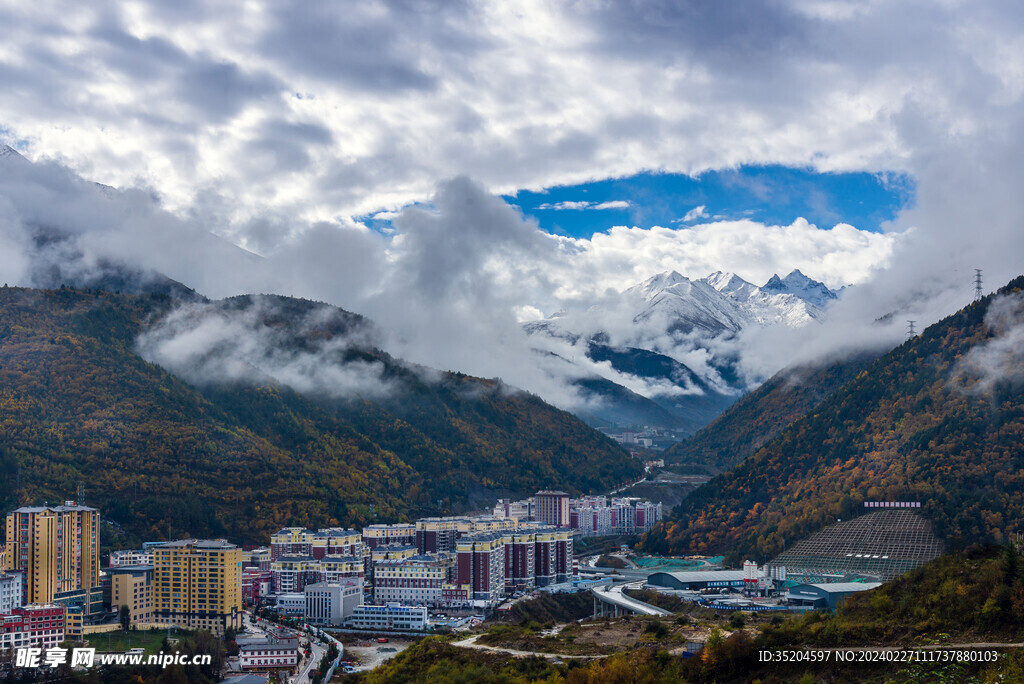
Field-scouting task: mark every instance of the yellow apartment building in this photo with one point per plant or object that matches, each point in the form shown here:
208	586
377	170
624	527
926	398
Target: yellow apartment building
197	583
56	548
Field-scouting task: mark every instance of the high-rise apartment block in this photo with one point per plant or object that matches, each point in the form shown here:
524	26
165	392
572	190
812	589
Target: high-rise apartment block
437	535
481	565
197	583
552	556
56	551
520	554
552	508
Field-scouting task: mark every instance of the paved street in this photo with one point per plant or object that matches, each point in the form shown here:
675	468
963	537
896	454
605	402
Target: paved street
311	663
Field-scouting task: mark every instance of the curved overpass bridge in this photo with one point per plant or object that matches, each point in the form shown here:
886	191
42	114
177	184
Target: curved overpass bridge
609	601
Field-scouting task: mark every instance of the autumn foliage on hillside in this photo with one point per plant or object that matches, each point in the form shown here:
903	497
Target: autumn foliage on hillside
160	457
762	414
939	420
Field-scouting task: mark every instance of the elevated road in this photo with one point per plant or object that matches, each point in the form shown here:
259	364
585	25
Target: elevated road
610	601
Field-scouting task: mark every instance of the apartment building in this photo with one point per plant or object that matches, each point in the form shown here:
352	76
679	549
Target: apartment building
291	541
335	541
520	563
481	565
552	556
10	592
416	579
552	507
259	558
132	586
437	535
402	534
293	573
130	557
197	583
35	625
56	551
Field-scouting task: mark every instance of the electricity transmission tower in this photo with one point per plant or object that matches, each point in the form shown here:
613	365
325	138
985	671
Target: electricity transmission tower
977	284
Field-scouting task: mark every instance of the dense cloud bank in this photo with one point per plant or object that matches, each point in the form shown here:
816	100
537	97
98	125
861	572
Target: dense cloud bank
268	127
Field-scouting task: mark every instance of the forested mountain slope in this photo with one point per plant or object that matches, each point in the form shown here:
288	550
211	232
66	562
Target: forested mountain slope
762	414
940	420
241	456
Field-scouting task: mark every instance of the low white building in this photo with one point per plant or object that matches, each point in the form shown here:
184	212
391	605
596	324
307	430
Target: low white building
10	592
131	557
390	617
269	655
291	603
331	603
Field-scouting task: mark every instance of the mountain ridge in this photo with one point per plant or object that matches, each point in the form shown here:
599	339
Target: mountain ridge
79	405
691	316
923	422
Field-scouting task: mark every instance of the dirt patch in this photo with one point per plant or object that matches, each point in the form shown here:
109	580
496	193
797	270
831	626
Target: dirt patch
600	637
371	654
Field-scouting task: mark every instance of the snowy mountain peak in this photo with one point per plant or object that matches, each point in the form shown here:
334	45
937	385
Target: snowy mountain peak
656	284
659	282
729	283
799	285
8	152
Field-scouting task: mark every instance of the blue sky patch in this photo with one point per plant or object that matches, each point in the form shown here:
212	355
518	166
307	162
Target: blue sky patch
774	195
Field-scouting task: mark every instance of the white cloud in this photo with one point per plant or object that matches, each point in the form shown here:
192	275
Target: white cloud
566	206
624	256
272	124
999	360
695	213
579	206
211	343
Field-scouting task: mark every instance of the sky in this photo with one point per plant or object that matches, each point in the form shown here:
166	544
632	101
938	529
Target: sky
868	143
770	194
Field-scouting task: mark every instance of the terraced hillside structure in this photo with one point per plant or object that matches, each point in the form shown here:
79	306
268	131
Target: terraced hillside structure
880	545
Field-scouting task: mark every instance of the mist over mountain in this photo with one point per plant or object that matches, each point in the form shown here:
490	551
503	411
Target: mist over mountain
642	344
258	412
666	352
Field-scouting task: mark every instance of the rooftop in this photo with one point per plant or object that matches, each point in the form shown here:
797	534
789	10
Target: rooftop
337	532
67	507
843	587
199	544
705	575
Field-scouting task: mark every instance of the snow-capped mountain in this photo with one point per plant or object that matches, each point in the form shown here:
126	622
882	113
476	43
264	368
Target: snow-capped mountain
673	322
683	305
724	302
799	285
10	155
